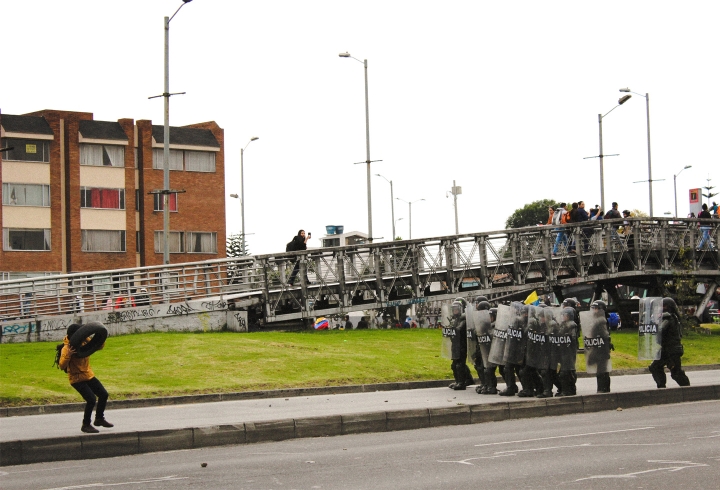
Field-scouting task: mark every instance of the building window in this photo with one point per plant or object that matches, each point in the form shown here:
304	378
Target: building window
175	158
137	199
138	243
93	197
25	150
102	155
192	161
158	202
175	240
35	240
103	240
201	243
25	195
200	161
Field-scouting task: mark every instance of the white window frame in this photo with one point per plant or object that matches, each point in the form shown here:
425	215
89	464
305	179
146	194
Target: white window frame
44	145
87	158
46	239
158	241
189	237
6	194
84	241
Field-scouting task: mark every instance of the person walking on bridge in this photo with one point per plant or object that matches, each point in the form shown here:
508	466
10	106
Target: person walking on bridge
299	242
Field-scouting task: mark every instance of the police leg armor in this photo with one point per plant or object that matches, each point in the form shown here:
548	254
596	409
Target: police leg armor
510	385
657	369
480	372
527	378
677	373
467	375
567	383
491	380
547	381
603	382
459	375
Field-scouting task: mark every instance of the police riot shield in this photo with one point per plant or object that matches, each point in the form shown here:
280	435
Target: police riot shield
447	332
483	328
517	335
649	321
566	340
472	342
596	340
537	352
500	334
553	318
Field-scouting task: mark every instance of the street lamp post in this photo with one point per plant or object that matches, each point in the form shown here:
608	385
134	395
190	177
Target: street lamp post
166	137
367	144
392	205
647	114
410	203
455	191
675	185
601	156
242	195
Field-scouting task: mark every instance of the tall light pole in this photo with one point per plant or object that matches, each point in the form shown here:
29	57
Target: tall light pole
166	138
367	144
392	205
409	203
601	156
675	185
242	194
455	191
647	113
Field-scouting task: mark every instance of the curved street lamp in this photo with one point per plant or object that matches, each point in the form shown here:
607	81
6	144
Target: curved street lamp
647	113
675	185
410	203
392	205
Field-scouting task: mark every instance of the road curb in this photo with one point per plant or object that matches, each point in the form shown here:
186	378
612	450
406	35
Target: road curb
129	443
280	393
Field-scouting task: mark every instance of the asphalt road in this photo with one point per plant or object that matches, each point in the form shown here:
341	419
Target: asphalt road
659	447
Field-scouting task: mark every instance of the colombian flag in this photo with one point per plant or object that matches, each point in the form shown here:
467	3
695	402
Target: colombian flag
532	299
321	323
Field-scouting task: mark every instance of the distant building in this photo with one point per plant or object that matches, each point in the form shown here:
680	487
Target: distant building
76	193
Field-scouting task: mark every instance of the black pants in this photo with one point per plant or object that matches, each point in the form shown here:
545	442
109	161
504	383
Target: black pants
603	382
657	368
530	380
461	372
295	271
510	370
88	390
567	382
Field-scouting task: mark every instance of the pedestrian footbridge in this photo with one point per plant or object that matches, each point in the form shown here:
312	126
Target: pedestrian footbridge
339	280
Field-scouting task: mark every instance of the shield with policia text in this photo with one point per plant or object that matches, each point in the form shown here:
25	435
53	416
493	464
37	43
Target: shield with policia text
564	340
596	340
500	332
472	343
552	323
537	339
515	345
649	320
447	332
483	329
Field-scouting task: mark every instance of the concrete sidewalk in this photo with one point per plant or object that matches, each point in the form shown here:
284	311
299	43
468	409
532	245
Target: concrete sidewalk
51	437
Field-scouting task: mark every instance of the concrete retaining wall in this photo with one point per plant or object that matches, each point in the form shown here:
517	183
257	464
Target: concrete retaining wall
201	315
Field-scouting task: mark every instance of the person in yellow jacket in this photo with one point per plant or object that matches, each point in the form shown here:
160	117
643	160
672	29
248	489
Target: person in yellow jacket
83	379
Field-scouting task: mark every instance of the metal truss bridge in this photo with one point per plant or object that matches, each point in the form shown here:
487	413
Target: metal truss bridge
339	280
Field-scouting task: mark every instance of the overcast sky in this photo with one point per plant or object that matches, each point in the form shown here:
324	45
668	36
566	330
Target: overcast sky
502	97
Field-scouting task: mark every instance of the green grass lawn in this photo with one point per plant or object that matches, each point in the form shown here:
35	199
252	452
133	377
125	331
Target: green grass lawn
166	364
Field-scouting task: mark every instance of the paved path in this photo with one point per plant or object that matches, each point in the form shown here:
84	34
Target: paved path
167	417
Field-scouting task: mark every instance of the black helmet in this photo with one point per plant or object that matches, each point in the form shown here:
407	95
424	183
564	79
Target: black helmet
483	305
568	313
459	305
570	302
669	305
599	304
480	299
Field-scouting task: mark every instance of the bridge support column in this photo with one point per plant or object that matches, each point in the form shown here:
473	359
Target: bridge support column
449	265
482	254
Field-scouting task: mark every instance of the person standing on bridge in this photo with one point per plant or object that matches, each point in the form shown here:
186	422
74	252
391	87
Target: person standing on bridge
672	349
559	218
83	379
299	242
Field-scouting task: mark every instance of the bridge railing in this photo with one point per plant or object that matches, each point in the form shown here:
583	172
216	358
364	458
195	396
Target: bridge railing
489	260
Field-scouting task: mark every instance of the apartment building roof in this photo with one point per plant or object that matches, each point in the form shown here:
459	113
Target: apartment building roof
102	130
186	136
25	124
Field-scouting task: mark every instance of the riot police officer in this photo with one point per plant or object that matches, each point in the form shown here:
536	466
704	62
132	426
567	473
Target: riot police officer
461	372
479	338
567	350
672	348
491	368
598	345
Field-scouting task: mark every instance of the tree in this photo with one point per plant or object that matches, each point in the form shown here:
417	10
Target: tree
233	246
531	214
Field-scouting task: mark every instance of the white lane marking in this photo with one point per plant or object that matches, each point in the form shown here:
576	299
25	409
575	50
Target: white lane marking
716	433
98	485
465	461
562	437
48	469
688	464
542	449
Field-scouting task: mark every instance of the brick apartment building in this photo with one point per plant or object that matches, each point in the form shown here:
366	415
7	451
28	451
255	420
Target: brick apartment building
76	193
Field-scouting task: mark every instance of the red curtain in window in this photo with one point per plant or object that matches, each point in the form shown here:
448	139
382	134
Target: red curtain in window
172	202
105	198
